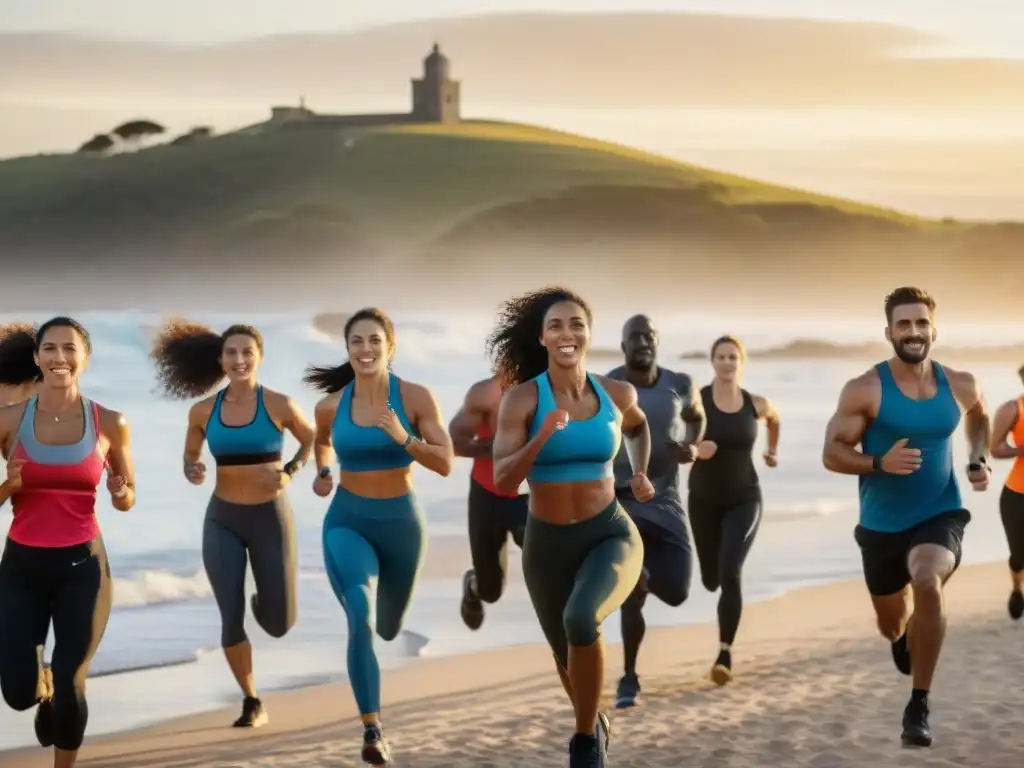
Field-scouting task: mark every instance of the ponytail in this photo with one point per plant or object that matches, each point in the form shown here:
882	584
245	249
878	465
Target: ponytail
187	358
330	380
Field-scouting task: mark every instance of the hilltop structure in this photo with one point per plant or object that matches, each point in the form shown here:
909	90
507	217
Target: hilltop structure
435	99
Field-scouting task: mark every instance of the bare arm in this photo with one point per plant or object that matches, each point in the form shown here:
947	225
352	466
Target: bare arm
766	410
119	457
977	425
1005	420
846	429
323	416
636	433
295	421
9	416
514	454
195	434
465	424
434	451
694	417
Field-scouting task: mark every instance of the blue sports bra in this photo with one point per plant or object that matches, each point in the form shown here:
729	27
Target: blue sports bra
258	442
583	450
365	449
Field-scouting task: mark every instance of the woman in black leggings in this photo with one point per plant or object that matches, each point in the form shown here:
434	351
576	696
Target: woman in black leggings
58	445
725	494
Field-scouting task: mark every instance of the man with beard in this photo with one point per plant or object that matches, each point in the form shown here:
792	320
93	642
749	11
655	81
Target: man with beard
903	413
676	419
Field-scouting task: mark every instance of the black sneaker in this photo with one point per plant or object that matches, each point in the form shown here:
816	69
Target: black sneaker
44	709
585	752
721	670
472	605
376	750
1016	604
916	732
626	693
901	654
253	714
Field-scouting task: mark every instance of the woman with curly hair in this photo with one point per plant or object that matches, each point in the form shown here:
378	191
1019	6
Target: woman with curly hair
559	427
248	517
54	568
373	533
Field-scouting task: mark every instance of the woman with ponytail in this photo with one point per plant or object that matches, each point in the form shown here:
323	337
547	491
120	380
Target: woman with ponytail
248	517
54	568
373	533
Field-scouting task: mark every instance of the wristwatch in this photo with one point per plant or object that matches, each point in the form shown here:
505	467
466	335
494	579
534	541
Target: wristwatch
977	466
876	463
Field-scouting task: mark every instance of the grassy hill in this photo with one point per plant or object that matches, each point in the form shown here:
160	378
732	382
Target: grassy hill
457	195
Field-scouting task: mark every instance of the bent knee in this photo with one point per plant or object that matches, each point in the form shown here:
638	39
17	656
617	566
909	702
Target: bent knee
676	596
890	629
233	633
489	588
278	626
20	697
581	627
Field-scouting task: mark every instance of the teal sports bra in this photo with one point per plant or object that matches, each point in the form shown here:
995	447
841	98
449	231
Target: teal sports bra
258	442
366	449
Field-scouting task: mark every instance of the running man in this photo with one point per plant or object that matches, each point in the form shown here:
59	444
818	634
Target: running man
677	421
494	515
903	413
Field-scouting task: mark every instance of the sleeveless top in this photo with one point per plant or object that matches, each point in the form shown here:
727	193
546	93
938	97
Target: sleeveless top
728	477
365	449
1015	480
483	467
258	442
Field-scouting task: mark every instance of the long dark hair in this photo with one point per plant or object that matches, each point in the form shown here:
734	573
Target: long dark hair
334	379
20	341
187	356
514	345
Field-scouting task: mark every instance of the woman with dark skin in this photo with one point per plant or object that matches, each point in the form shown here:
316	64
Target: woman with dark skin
57	444
559	427
248	518
374	534
725	493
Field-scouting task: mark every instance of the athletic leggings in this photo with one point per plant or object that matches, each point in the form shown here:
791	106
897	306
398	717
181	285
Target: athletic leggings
722	535
262	534
1011	509
578	574
492	519
372	545
71	587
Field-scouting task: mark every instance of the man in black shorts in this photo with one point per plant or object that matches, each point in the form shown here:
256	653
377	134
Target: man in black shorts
494	515
676	419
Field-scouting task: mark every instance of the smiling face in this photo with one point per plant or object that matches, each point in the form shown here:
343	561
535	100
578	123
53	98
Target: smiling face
240	358
727	360
911	332
566	334
62	356
640	344
368	348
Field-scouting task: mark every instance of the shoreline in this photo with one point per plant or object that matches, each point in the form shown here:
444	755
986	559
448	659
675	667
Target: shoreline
674	662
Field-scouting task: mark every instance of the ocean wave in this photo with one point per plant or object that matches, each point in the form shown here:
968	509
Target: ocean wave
145	588
788	513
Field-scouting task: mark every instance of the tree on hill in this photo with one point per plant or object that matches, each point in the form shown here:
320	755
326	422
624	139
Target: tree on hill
133	130
196	134
98	144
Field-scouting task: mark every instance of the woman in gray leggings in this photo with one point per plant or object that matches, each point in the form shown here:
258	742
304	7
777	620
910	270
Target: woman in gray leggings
248	518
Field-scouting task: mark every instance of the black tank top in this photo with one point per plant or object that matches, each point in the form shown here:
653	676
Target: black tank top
729	476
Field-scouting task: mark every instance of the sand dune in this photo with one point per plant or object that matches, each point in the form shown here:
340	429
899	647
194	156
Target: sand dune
815	689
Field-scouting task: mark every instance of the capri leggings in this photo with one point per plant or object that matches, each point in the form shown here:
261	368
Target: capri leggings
1011	510
263	536
578	574
372	546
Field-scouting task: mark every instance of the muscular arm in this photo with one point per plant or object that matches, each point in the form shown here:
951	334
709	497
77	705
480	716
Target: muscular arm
295	421
7	421
977	425
434	451
514	454
636	433
1005	420
846	429
694	417
465	424
323	416
195	434
767	411
119	457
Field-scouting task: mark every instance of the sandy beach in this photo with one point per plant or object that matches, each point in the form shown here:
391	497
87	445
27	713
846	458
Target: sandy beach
815	687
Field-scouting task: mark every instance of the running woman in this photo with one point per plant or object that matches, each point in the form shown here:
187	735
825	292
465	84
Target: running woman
560	427
248	518
54	567
494	515
903	413
725	492
374	533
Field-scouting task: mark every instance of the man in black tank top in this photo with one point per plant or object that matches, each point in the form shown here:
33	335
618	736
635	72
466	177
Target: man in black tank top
676	421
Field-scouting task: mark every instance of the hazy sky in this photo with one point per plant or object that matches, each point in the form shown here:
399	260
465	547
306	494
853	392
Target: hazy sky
978	27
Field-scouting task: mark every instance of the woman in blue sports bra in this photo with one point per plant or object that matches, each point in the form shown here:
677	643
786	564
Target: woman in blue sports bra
248	517
559	427
373	534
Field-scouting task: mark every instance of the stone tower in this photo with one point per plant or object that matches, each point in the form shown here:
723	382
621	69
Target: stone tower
435	97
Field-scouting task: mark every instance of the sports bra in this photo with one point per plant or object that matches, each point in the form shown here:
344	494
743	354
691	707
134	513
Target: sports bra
366	449
1015	479
258	442
583	450
56	505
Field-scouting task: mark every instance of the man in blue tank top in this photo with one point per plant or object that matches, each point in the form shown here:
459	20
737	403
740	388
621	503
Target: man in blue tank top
676	420
903	414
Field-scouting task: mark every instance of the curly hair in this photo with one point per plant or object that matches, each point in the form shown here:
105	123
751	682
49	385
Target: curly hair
20	341
513	345
730	339
334	379
187	356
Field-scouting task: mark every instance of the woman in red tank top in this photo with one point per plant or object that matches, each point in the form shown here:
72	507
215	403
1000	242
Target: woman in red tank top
54	568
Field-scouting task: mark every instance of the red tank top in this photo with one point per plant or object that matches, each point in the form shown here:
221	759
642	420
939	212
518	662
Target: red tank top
56	505
483	466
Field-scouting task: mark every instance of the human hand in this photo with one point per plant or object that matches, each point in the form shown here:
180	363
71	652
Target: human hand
324	483
686	453
392	426
13	480
900	460
979	477
554	421
770	459
642	488
706	449
195	472
273	480
117	486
